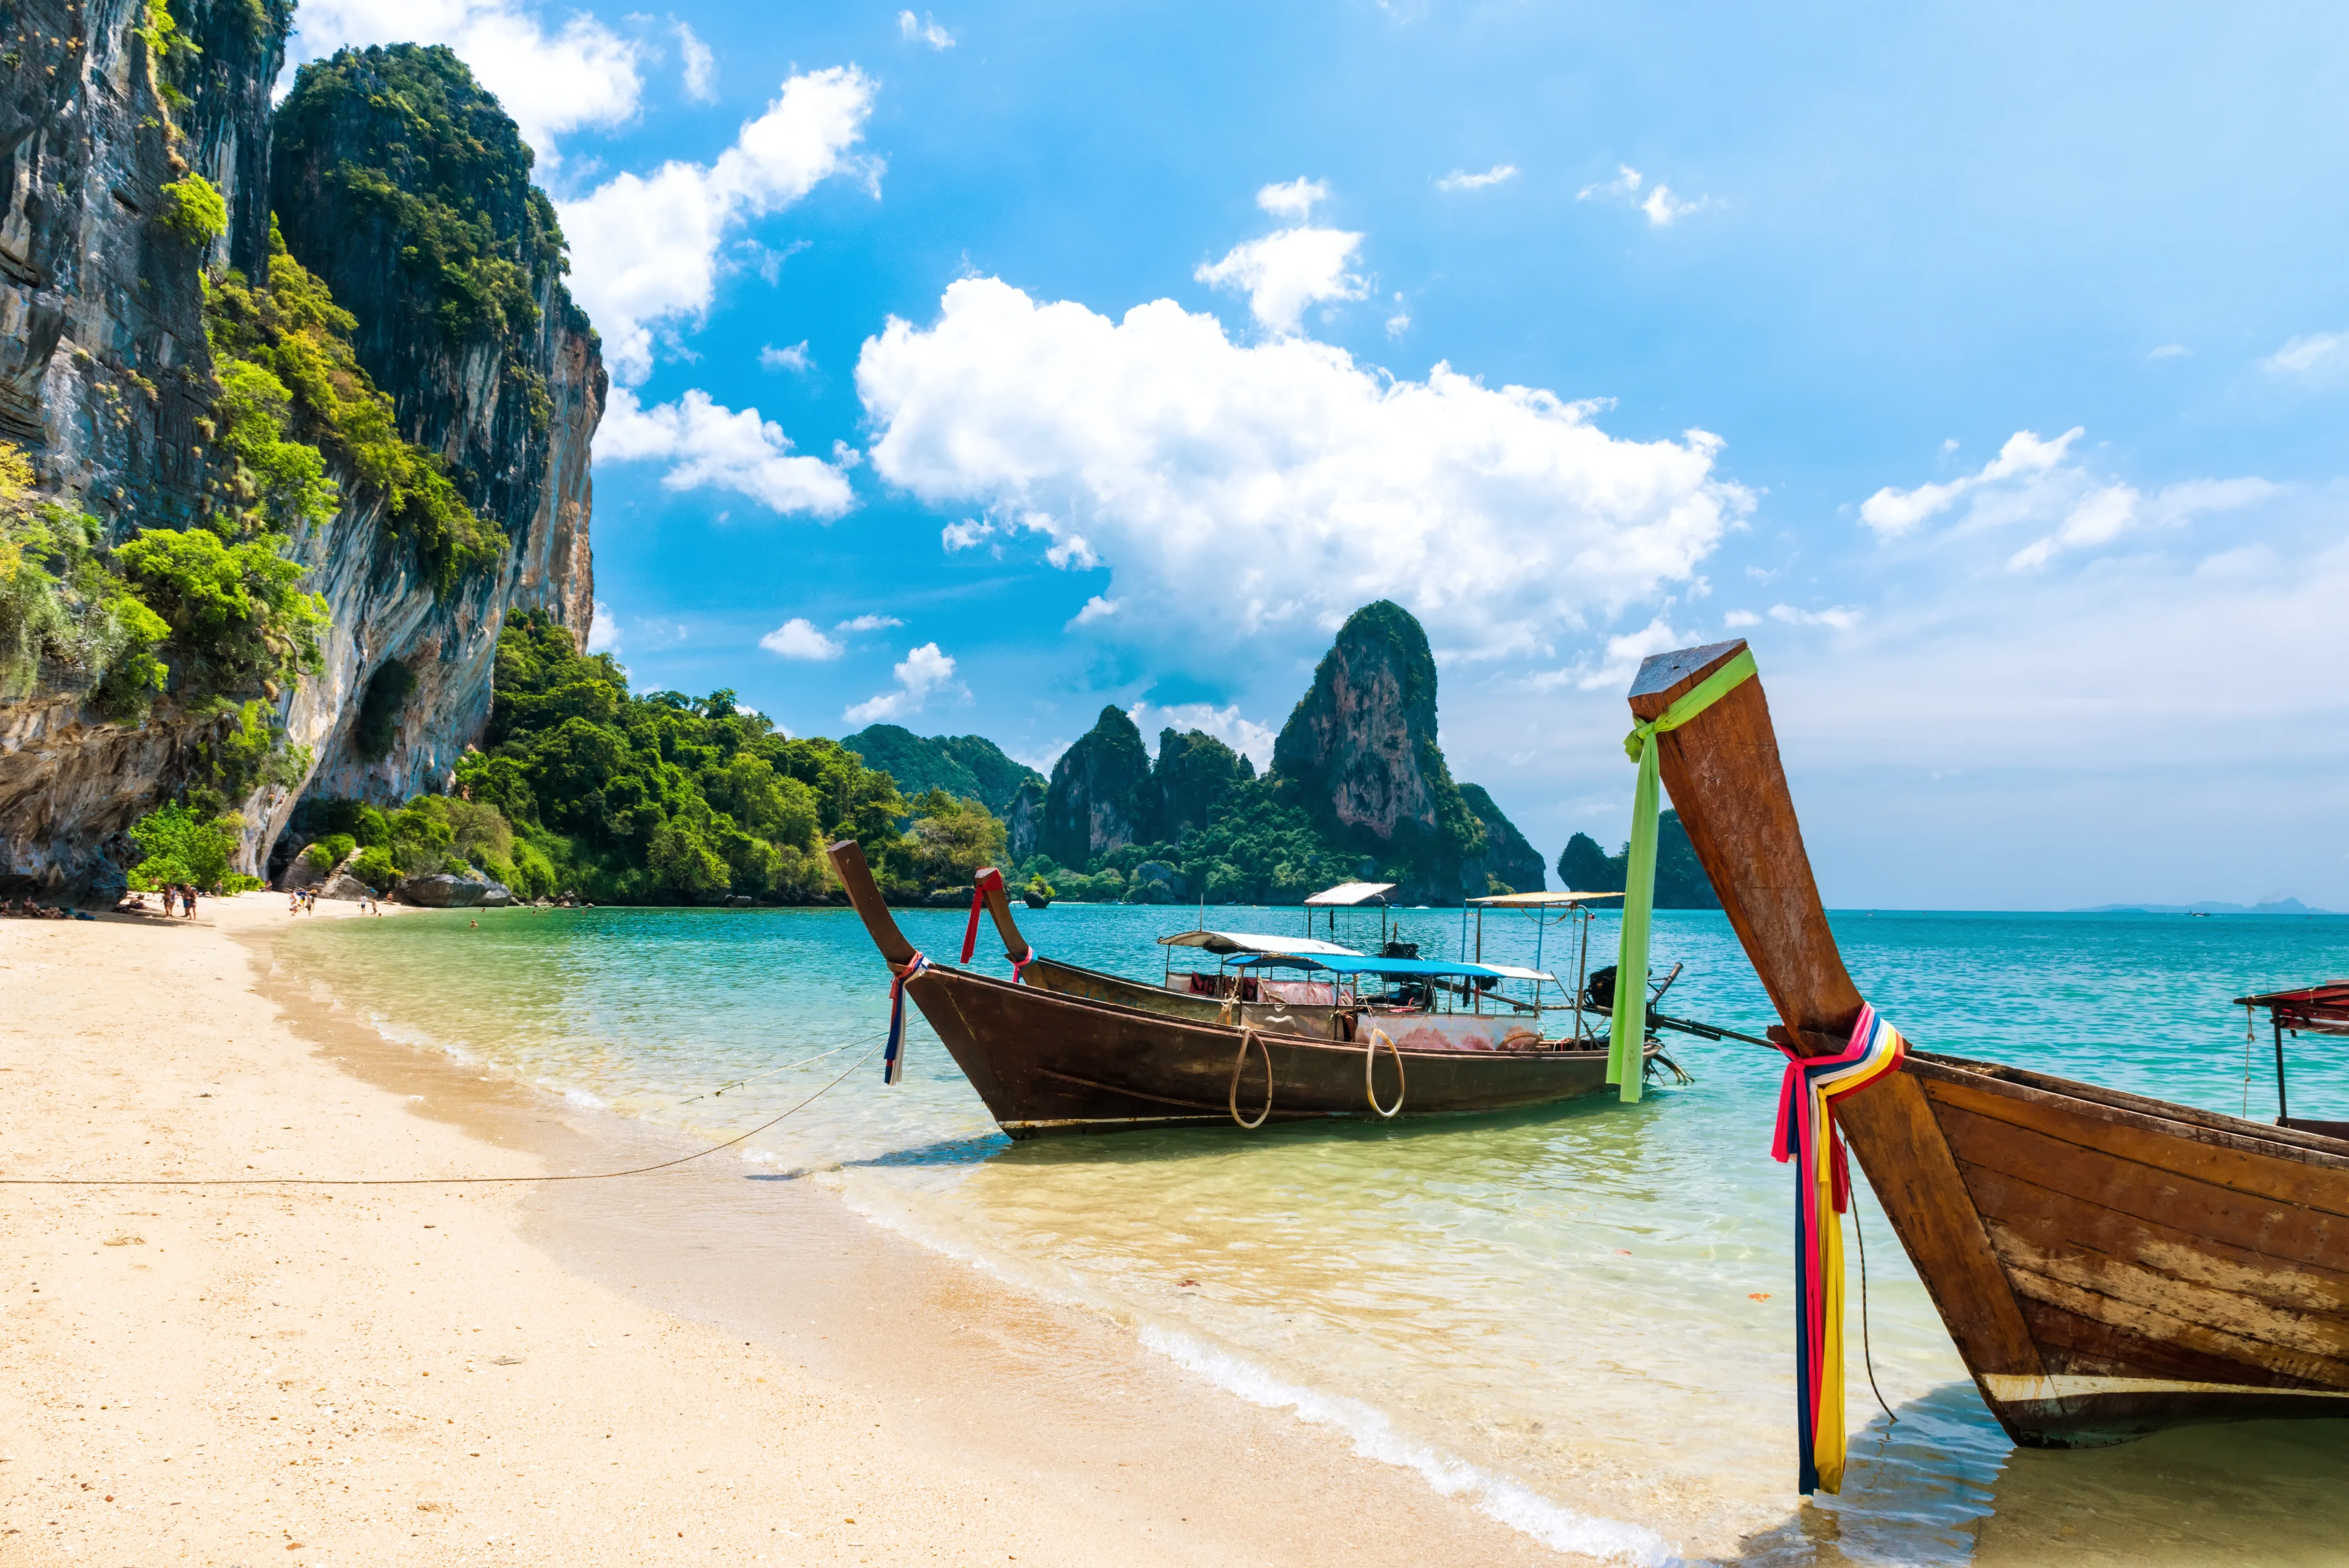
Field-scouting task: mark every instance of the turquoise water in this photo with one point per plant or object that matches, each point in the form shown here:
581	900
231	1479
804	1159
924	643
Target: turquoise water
1581	1317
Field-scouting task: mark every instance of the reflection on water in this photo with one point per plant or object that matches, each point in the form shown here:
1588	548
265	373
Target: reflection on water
1592	1301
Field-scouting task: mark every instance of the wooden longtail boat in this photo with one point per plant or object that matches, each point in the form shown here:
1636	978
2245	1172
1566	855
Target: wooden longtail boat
2108	1264
1069	1050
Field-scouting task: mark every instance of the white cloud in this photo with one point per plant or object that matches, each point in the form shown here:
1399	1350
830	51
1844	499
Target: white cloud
923	31
1246	736
794	358
583	74
868	623
1294	199
1285	272
1097	608
1459	181
1234	487
1070	551
1892	513
602	630
708	446
645	248
923	671
1399	322
701	66
1737	619
966	535
2169	351
798	638
2034	483
1660	205
2305	354
1842	617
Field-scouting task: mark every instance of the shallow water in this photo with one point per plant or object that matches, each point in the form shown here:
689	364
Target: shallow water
1582	1316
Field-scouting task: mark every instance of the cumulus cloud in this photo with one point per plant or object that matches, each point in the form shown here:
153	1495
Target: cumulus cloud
2300	354
926	30
1737	619
645	248
1624	187
794	358
708	446
582	74
2035	483
923	671
868	622
1293	268
798	638
701	66
1246	736
1459	181
1234	487
1096	608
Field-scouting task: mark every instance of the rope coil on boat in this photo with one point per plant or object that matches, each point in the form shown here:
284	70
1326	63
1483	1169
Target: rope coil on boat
1250	1036
1370	1061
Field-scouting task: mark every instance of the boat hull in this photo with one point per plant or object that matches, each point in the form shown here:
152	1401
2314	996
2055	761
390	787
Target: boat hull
2169	1266
1049	1062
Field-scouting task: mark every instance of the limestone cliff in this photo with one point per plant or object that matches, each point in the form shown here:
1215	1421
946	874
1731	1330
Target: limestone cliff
108	385
399	182
1508	859
1195	773
1102	796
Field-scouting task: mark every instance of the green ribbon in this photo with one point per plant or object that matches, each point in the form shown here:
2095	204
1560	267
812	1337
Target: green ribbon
1626	1053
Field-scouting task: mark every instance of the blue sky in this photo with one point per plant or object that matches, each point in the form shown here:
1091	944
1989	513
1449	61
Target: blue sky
1985	366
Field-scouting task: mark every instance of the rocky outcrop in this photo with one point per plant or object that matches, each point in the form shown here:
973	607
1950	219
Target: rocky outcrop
453	890
1507	858
1195	773
378	153
1362	743
105	377
1024	821
1102	796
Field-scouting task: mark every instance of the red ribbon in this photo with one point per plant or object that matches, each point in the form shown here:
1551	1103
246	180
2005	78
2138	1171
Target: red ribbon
990	878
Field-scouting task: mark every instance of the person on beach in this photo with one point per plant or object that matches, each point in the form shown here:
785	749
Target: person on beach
188	902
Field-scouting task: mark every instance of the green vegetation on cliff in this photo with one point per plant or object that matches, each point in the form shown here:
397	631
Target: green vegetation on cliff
969	767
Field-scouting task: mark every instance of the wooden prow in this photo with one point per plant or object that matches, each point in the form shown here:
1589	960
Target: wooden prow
856	879
998	905
1725	778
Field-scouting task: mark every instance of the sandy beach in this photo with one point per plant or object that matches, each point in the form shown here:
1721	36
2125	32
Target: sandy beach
703	1366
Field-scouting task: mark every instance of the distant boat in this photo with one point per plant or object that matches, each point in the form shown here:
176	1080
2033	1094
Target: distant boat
2109	1265
1069	1050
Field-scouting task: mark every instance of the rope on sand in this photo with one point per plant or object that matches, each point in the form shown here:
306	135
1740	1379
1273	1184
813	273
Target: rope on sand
431	1180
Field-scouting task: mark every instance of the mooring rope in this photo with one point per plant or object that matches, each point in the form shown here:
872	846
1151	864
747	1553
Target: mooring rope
1369	1060
438	1180
1867	1350
1248	1035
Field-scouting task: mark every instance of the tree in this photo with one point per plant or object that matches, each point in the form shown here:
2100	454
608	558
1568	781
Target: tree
178	847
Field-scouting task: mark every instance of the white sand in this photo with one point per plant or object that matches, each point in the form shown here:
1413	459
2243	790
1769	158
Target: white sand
248	1373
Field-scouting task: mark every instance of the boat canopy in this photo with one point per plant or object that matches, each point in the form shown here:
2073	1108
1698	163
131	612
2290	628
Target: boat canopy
1409	968
1226	942
1539	900
2315	1008
1346	894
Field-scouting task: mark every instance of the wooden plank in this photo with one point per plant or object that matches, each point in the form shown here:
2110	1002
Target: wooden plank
1729	784
2077	1345
2243	1185
2164	1326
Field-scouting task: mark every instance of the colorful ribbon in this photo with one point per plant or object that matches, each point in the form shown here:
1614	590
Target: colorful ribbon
1807	1135
1019	963
1626	1055
893	1056
990	877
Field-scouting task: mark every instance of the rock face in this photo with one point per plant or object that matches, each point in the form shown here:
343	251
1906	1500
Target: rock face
104	372
1102	796
377	152
452	890
1196	775
1023	822
1363	739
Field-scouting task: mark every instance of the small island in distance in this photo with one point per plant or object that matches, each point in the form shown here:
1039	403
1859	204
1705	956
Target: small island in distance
2206	907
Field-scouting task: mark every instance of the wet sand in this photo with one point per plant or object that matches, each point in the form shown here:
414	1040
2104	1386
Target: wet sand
713	1365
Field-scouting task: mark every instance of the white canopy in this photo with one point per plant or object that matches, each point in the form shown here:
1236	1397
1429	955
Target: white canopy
1346	894
1227	942
1539	900
1511	972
